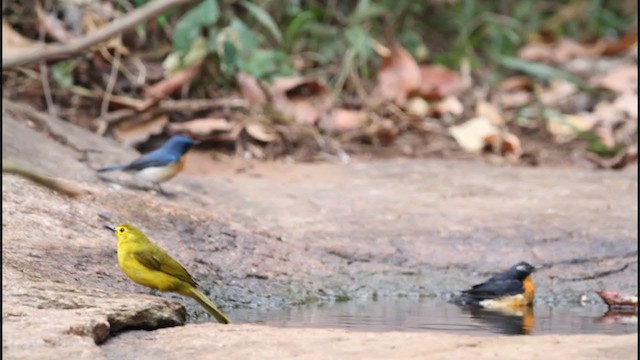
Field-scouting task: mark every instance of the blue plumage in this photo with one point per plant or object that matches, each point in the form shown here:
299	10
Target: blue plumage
161	164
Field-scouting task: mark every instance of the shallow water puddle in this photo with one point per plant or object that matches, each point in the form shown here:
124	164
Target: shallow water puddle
435	315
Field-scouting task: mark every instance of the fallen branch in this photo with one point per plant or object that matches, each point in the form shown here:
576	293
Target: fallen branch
9	167
117	26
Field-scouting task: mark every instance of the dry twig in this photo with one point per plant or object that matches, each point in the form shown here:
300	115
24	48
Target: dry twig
118	26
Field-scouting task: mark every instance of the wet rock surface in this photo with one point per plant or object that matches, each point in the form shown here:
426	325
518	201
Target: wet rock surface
275	235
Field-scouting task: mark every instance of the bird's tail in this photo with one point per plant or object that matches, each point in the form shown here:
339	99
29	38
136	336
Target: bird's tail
208	305
112	167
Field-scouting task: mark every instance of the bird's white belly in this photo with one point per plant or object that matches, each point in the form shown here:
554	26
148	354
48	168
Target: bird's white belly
159	174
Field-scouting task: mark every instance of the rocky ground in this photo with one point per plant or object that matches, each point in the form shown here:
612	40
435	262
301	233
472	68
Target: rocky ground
276	234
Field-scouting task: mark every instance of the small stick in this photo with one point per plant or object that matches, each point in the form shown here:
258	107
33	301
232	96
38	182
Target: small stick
117	26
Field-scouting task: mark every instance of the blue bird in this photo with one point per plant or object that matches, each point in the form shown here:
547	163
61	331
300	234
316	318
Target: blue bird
161	164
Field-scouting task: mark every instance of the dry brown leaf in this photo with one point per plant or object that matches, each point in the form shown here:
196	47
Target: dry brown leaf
608	117
417	106
134	132
202	128
341	120
516	82
260	131
92	21
627	103
304	99
536	51
450	105
567	49
489	111
562	50
387	131
53	26
557	92
166	87
629	39
251	90
438	82
398	76
471	135
566	128
505	144
622	79
13	42
515	99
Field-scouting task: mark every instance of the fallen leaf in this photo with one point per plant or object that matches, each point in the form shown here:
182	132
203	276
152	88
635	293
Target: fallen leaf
536	51
489	111
621	79
565	128
92	21
304	99
13	42
341	120
251	90
417	106
260	131
387	131
557	92
617	46
608	117
516	82
450	105
398	76
438	82
201	129
505	144
562	50
515	99
619	161
471	135
614	298
166	87
627	103
137	131
52	25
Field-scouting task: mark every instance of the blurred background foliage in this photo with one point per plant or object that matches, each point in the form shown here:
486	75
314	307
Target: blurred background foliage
282	37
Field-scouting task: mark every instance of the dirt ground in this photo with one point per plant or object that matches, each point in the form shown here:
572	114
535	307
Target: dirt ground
278	234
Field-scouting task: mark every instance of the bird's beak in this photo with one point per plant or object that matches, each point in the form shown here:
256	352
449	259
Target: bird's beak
110	227
538	267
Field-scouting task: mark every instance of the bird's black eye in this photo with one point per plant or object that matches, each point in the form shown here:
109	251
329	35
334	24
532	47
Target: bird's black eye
121	229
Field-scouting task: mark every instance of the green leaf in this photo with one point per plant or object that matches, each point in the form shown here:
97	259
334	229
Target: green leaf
62	73
365	11
229	59
190	25
265	19
359	40
266	63
297	26
247	39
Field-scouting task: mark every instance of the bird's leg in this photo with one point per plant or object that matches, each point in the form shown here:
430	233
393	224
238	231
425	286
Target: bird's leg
154	292
162	192
159	189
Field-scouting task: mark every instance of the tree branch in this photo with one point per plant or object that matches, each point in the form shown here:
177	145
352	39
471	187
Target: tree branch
119	25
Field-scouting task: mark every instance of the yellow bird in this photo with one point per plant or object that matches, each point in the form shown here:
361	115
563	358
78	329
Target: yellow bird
147	264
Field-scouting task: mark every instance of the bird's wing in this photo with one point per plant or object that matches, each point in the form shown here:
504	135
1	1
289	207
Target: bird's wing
160	261
495	287
153	159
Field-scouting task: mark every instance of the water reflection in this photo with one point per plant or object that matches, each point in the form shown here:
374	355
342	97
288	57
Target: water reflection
619	317
505	321
438	315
